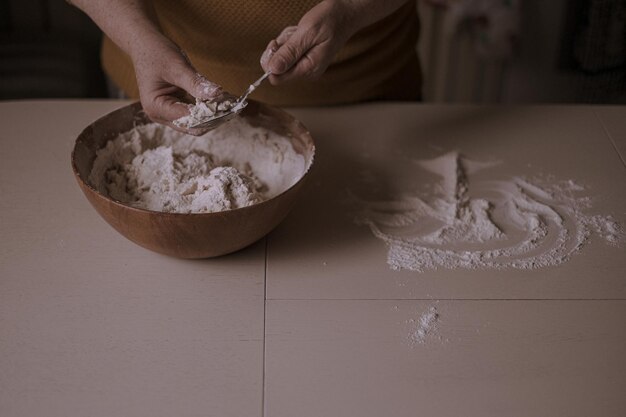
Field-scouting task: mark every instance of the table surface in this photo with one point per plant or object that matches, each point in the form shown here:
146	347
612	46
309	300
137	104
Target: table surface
310	321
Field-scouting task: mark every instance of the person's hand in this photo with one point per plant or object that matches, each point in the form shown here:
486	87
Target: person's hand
305	51
165	79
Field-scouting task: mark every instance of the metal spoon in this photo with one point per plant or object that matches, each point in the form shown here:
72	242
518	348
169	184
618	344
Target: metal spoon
240	104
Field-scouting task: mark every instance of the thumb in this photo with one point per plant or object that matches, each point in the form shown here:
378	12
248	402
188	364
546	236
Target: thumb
274	45
187	78
290	52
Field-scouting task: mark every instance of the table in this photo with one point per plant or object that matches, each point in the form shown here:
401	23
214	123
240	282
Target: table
310	321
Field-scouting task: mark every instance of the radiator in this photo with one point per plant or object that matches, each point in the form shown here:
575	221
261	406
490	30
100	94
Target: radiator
455	69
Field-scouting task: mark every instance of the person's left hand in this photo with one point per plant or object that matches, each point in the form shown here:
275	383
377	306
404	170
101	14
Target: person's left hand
305	51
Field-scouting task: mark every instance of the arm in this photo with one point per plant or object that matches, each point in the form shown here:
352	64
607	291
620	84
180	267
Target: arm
306	50
164	75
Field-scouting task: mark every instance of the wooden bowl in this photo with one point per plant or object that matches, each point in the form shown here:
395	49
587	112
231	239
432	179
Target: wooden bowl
195	235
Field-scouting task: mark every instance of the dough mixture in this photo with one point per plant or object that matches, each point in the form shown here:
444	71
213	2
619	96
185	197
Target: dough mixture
205	110
157	168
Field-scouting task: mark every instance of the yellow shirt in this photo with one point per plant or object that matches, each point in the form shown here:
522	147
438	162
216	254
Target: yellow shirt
224	40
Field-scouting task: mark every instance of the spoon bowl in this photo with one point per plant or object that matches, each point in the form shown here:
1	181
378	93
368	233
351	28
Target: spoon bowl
239	105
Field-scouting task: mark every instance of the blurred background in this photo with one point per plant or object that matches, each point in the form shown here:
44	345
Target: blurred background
485	51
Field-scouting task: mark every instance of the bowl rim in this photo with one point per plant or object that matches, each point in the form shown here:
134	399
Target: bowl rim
123	205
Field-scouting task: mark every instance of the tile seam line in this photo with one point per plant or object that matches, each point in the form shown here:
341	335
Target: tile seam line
264	327
609	136
446	299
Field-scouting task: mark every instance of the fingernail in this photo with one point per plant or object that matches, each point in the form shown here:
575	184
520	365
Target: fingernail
268	54
206	89
210	90
266	57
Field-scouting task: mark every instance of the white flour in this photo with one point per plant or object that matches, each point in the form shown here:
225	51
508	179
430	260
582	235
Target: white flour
424	325
204	110
157	168
513	223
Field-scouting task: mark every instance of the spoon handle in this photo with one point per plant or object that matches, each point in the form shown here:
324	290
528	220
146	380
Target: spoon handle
253	87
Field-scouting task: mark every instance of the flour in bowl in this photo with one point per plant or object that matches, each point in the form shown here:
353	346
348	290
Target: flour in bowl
160	169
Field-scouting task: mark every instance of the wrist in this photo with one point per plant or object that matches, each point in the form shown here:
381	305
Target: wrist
146	40
152	45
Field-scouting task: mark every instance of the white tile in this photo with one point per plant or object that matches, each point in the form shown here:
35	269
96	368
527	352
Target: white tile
614	120
92	324
485	358
319	253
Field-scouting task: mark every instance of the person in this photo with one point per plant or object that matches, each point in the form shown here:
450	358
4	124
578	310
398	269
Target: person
325	52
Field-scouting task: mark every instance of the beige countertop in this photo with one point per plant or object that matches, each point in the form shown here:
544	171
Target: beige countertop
310	321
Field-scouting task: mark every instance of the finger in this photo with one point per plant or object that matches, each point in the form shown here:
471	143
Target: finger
175	110
199	87
164	108
275	44
285	34
184	76
270	50
310	66
291	51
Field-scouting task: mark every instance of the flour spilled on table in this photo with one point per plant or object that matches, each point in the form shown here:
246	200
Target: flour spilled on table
512	223
425	325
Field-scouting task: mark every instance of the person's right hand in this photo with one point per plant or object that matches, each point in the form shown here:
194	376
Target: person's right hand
165	77
305	51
